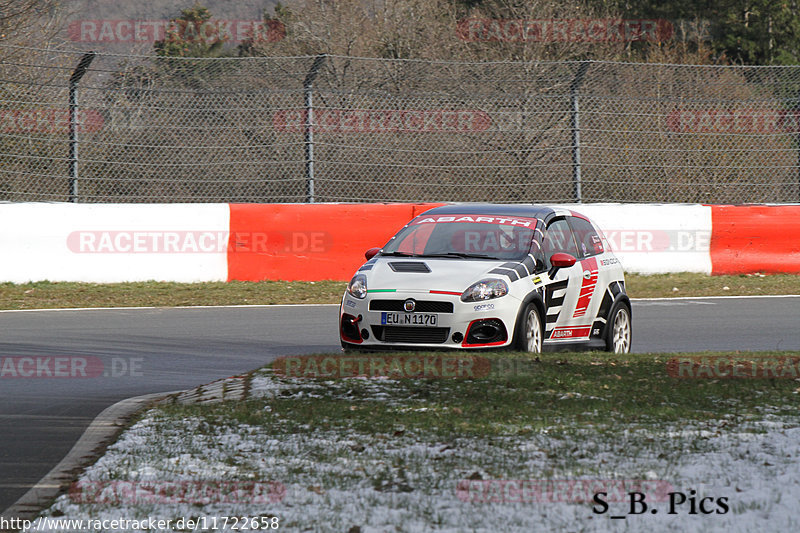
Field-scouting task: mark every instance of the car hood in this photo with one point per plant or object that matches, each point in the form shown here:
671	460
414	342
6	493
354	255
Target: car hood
451	275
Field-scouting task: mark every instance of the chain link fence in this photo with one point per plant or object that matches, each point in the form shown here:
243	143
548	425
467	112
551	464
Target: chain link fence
329	129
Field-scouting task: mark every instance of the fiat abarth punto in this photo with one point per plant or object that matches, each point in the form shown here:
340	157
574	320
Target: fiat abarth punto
474	276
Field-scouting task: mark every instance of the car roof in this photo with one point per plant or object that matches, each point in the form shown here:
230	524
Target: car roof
519	210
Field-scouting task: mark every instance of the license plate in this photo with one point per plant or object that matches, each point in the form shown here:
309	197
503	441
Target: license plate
409	319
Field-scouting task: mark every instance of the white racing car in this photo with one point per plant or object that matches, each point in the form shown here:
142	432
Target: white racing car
485	276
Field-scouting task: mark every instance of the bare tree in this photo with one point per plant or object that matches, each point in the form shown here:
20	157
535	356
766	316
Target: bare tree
30	22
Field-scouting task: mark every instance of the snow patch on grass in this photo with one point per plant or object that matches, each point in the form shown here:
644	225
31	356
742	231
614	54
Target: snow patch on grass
336	479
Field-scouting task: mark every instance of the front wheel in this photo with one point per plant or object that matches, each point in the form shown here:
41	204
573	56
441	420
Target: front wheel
530	336
619	331
352	348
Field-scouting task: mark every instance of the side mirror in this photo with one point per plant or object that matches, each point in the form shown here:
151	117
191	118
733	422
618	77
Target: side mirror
372	252
560	260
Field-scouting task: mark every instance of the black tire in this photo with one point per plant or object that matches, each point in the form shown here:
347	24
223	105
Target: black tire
530	331
351	348
619	329
357	348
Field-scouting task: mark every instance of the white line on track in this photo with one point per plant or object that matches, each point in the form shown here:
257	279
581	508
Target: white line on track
749	297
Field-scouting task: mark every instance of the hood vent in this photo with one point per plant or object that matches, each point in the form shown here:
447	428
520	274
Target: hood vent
409	266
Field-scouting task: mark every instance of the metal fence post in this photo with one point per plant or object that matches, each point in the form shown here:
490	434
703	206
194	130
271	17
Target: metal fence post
77	74
308	90
575	126
797	137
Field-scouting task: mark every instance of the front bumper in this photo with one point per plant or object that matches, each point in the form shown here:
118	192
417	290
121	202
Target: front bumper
459	325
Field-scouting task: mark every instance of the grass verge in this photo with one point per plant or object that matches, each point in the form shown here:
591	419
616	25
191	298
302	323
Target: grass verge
521	394
362	454
47	295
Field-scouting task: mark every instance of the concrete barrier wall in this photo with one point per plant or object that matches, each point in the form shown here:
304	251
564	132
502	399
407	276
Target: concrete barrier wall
218	242
755	238
114	242
309	241
655	238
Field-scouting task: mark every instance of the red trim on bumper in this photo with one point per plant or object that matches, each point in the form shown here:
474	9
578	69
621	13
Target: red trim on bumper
464	344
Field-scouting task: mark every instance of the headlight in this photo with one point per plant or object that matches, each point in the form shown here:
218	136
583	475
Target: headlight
485	289
358	286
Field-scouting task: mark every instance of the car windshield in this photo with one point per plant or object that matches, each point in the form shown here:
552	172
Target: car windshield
464	236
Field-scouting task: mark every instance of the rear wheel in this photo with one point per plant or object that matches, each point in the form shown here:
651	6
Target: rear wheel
530	333
619	332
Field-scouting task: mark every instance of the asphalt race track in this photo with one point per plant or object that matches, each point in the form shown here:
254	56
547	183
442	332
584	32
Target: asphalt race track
141	351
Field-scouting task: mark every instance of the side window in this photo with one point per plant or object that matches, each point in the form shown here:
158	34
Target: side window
558	238
589	242
537	249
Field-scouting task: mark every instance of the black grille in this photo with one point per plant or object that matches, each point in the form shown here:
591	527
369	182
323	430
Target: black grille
422	306
409	266
411	334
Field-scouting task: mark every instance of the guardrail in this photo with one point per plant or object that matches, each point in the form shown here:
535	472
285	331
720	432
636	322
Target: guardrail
219	242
